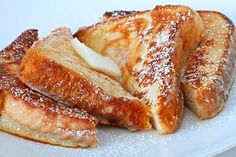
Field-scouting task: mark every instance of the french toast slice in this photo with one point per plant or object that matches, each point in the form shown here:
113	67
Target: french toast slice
206	95
150	48
210	70
51	66
31	115
198	94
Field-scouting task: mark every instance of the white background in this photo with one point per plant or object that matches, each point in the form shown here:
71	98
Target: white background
45	15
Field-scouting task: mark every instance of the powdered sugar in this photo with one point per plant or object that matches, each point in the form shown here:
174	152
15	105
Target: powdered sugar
33	111
15	51
204	135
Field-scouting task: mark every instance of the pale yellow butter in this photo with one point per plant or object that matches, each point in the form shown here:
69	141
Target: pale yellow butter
95	60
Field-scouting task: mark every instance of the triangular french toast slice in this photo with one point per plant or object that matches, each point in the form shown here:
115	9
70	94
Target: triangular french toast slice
205	92
210	69
51	66
29	114
150	47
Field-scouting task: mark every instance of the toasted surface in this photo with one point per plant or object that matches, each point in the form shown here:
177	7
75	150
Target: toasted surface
204	96
62	75
116	14
210	69
28	114
15	52
150	47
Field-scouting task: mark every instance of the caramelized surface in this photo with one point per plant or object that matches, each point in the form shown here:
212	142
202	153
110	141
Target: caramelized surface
29	114
16	50
210	70
116	14
67	78
150	47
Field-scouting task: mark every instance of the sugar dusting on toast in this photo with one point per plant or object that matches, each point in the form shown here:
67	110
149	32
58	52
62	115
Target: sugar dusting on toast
151	48
11	86
21	91
16	50
206	66
163	43
82	86
155	70
210	71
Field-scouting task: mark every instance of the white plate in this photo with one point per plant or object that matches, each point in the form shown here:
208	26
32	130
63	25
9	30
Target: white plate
194	138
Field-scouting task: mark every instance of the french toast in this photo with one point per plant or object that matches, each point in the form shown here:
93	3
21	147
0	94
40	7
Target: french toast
206	92
31	115
210	70
52	67
150	48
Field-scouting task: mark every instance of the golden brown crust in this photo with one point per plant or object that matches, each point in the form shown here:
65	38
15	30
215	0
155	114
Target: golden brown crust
47	120
164	114
16	50
204	108
210	70
78	91
150	47
18	90
116	14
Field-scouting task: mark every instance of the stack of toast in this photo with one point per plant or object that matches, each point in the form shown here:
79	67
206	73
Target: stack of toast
27	113
169	57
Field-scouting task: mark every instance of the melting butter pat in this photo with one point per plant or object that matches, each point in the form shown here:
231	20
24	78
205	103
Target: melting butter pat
95	60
